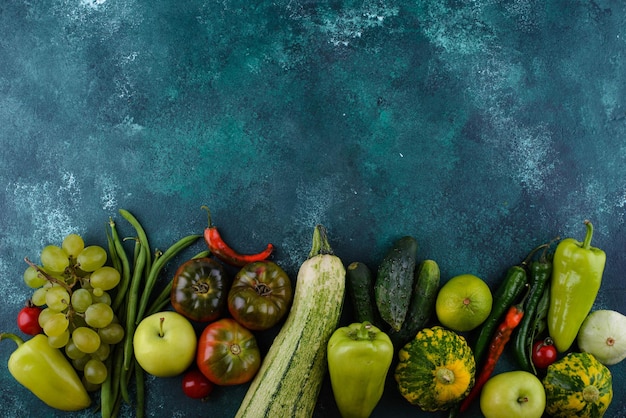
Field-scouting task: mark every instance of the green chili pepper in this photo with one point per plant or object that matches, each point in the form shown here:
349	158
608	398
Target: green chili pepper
515	281
359	357
576	277
540	273
44	371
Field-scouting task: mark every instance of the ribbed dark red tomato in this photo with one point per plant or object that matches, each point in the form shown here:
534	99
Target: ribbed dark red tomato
228	353
260	295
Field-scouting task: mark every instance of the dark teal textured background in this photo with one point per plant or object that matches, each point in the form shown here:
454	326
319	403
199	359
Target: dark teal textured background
480	127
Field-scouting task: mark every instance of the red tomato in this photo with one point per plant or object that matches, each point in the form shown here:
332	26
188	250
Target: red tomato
196	385
544	353
228	353
28	319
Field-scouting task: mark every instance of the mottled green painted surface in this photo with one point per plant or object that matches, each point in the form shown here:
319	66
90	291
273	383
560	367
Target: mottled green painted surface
480	127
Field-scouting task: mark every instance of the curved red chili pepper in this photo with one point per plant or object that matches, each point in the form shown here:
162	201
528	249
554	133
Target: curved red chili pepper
496	347
224	252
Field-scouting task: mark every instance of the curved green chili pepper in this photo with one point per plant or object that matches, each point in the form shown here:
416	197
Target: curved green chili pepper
45	371
576	278
540	273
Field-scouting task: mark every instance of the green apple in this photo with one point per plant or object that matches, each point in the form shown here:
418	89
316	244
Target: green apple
165	344
516	394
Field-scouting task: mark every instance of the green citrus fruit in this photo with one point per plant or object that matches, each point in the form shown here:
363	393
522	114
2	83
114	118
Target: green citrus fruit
463	303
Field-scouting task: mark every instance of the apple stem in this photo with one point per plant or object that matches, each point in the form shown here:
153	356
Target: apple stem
522	399
161	320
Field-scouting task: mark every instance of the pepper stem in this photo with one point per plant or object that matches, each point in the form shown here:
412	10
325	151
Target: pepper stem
363	332
532	254
205	207
320	245
13	337
587	241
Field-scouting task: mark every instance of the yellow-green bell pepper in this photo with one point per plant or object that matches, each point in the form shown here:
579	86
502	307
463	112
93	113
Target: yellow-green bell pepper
359	357
45	371
576	277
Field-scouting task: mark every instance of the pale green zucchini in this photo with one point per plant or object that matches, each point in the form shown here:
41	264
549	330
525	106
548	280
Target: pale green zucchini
290	377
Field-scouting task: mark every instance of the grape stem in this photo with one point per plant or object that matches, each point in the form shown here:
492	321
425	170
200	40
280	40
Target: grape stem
47	276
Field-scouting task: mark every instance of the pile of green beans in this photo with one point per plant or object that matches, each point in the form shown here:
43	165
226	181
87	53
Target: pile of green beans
132	304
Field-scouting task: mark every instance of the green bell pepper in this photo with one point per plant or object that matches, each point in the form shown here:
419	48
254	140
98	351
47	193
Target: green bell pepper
45	371
576	278
359	357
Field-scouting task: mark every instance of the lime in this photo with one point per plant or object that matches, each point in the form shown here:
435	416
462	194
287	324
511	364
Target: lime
463	303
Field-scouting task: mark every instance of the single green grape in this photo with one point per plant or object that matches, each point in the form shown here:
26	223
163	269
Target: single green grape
44	315
105	278
86	339
39	296
81	300
102	353
73	244
90	387
98	315
78	321
91	258
97	292
95	371
59	341
105	298
79	363
57	298
111	334
33	279
56	325
72	351
54	258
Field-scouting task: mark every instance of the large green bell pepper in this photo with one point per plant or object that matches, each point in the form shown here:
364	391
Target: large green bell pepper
359	357
576	278
46	373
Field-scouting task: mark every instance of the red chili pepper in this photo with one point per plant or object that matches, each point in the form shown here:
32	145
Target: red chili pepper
496	347
221	250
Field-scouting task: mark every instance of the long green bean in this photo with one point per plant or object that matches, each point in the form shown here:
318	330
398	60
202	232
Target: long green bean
158	265
141	233
117	365
106	395
122	287
131	308
140	389
113	255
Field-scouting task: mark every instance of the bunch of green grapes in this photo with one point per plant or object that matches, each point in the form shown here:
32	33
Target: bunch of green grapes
72	285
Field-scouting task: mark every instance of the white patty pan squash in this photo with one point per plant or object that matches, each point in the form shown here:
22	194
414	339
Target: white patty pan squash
603	334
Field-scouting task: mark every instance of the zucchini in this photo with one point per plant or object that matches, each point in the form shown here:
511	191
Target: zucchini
290	377
394	282
422	304
360	287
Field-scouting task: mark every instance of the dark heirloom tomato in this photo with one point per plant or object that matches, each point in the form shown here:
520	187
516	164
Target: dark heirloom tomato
228	353
200	290
260	295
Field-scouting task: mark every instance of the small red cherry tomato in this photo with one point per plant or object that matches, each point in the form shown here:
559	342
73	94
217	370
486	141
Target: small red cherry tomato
196	385
544	353
28	319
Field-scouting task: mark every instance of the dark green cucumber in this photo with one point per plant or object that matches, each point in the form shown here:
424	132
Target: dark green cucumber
360	286
394	282
422	304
